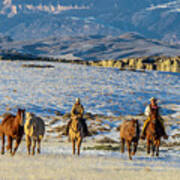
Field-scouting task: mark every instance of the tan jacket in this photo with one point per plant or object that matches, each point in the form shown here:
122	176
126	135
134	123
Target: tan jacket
77	110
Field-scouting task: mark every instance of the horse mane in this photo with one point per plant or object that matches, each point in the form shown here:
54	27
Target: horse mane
79	125
155	125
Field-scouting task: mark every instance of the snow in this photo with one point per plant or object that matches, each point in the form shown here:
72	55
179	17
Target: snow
102	90
106	91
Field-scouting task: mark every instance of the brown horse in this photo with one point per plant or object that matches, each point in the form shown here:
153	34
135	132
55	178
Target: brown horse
12	127
154	132
129	132
76	133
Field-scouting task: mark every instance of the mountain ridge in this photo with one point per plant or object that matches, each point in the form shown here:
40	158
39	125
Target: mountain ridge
92	47
34	19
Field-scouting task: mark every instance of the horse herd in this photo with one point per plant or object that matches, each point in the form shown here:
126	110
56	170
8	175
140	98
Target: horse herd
14	126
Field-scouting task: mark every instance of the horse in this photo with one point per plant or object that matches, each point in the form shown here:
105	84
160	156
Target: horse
129	132
154	132
12	127
34	129
76	133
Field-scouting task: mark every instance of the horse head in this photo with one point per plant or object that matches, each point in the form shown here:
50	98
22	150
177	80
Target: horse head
21	116
154	116
77	123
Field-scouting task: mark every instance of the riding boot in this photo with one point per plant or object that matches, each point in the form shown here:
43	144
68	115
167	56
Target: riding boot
67	128
143	134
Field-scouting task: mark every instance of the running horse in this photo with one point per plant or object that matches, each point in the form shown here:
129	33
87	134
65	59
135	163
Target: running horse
129	133
76	133
12	127
154	132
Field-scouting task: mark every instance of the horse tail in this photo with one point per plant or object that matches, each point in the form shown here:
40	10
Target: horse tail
1	130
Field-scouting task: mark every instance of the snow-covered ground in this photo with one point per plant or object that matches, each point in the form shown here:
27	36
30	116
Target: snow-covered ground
56	162
102	90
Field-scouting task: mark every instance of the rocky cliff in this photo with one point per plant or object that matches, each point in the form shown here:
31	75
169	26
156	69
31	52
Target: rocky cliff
168	64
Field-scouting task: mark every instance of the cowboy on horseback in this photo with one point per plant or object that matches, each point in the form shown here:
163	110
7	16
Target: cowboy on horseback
78	111
151	109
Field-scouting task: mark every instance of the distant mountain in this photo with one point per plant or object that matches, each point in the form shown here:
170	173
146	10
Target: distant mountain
92	47
5	39
36	19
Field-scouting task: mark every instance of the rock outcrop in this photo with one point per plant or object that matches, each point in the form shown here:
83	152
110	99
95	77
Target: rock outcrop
158	63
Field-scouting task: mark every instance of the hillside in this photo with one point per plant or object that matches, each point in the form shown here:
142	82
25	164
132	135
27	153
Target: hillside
93	47
34	19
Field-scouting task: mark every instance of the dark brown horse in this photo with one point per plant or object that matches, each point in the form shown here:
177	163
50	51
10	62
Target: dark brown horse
154	132
129	132
12	127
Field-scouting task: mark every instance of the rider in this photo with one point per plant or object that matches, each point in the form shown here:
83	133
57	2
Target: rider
153	108
78	111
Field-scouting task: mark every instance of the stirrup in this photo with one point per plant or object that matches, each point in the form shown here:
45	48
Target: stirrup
165	136
143	137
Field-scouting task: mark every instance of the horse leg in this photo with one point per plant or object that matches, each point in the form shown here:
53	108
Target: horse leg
79	145
18	140
157	148
135	148
3	142
34	146
122	145
129	149
153	148
39	146
28	144
148	146
9	146
73	146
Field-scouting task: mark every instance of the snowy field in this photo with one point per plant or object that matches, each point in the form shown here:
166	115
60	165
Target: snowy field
102	90
105	91
57	163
